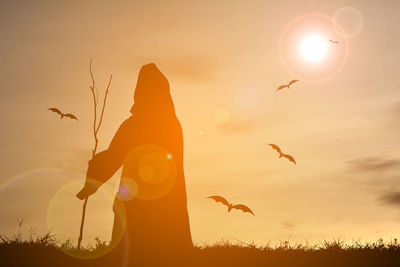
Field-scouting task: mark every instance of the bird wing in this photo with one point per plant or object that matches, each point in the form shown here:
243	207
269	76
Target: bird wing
276	148
281	87
289	158
72	116
243	208
292	82
220	199
56	110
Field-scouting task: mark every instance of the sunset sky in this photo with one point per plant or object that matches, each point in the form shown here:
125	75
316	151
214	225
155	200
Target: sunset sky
224	61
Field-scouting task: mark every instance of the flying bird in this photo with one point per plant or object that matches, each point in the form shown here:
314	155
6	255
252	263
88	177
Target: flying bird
231	206
289	157
68	115
334	42
286	85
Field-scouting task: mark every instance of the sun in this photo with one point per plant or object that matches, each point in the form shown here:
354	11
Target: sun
313	48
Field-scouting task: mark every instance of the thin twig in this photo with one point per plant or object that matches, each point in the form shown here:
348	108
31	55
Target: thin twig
104	105
92	89
97	95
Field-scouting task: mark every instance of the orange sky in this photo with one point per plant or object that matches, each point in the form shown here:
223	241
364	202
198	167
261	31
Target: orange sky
221	57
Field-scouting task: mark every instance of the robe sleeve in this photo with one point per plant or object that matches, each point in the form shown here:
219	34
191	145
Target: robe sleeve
104	164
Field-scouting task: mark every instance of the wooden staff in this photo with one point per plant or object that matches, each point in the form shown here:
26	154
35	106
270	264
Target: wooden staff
96	128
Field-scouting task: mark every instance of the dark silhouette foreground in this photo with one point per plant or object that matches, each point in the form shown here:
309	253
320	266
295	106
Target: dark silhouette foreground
328	254
151	217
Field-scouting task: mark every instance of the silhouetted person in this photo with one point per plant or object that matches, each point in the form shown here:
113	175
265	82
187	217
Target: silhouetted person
150	211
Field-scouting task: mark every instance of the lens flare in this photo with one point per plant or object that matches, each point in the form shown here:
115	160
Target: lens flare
313	48
34	173
222	116
147	173
64	216
25	186
152	169
313	32
350	20
246	98
62	210
128	189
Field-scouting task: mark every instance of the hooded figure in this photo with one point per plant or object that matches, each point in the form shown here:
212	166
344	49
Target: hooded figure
150	212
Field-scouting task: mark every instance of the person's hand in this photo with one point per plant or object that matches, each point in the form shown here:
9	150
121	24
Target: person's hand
85	193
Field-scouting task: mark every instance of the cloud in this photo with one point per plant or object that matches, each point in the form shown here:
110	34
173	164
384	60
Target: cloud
239	125
395	108
287	225
374	164
76	161
195	67
390	198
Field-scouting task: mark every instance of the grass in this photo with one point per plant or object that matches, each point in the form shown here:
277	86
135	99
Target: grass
44	251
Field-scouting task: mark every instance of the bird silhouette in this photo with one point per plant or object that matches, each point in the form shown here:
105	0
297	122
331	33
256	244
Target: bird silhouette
231	206
334	42
289	157
68	115
286	85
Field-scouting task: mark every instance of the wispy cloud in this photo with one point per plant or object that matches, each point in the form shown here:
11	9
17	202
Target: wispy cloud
193	67
390	198
76	161
395	108
239	125
287	225
374	164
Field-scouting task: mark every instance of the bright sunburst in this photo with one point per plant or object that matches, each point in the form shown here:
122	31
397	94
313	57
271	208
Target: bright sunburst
313	48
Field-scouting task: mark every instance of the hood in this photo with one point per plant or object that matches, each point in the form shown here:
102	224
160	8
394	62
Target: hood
152	95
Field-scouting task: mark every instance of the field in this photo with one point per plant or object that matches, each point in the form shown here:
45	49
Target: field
43	251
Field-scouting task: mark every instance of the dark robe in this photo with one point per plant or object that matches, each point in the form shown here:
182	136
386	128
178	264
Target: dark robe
148	222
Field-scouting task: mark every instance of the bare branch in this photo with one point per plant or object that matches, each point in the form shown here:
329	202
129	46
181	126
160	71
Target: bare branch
92	89
97	96
104	104
96	126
